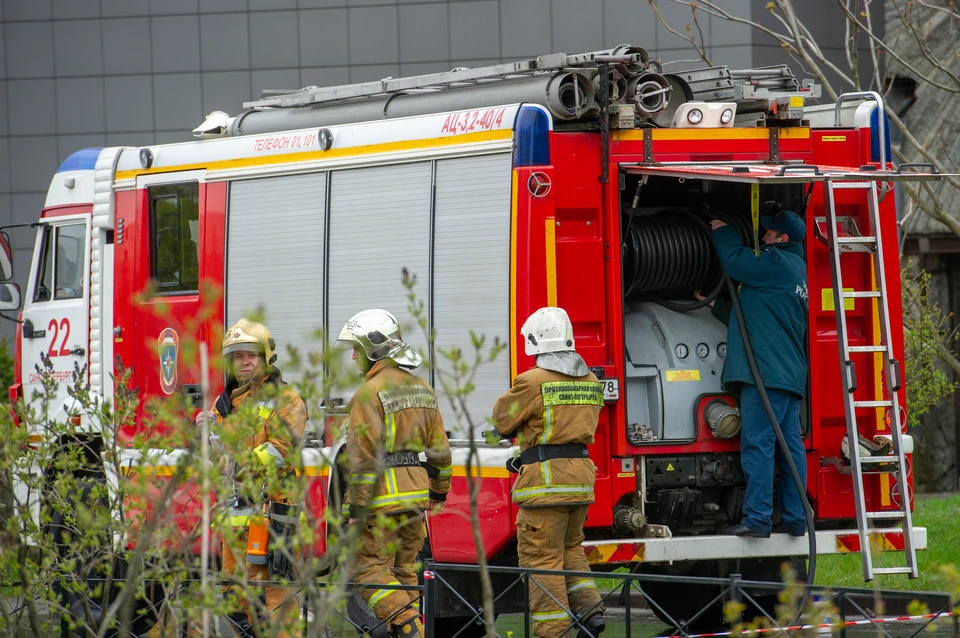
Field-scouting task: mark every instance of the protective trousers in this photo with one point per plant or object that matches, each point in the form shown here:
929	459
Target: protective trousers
387	555
550	538
280	602
759	452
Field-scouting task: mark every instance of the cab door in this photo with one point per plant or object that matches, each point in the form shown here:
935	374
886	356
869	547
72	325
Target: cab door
158	292
56	312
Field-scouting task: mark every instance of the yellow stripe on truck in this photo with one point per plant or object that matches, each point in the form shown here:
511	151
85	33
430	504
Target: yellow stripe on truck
335	153
312	471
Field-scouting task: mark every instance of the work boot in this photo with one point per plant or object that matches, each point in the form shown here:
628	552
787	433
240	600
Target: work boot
241	625
410	629
592	626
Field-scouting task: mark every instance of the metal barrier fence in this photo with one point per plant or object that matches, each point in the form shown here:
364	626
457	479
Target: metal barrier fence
829	609
816	602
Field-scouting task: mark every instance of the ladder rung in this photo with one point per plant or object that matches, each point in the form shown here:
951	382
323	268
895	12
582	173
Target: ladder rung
888	515
852	185
866	239
879	459
867	348
893	570
859	294
873	404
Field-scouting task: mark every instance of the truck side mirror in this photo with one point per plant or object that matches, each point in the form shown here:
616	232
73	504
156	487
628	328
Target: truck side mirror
9	297
6	259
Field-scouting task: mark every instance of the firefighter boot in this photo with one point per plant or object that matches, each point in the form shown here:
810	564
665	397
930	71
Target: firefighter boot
241	624
592	626
410	629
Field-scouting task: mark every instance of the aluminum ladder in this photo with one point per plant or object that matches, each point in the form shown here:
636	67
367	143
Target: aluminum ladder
890	383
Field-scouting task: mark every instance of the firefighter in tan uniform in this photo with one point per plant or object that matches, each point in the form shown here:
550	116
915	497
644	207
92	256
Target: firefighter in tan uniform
392	418
250	357
553	410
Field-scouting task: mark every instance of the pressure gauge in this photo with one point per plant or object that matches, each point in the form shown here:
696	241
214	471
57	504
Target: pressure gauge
703	350
682	351
722	350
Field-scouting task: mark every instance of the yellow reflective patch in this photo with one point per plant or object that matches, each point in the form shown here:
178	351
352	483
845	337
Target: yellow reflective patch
406	397
682	375
572	393
826	300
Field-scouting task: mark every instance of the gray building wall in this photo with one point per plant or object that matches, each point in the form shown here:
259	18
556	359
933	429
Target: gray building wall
79	73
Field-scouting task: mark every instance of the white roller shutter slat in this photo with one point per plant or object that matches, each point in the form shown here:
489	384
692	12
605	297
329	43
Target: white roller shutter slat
471	284
379	224
275	255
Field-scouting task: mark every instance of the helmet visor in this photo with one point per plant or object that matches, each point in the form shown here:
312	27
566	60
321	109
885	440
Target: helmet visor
346	343
243	347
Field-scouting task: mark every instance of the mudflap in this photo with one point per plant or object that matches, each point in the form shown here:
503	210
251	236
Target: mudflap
363	617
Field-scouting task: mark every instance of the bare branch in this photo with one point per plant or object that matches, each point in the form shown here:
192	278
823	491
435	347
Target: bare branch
698	47
896	56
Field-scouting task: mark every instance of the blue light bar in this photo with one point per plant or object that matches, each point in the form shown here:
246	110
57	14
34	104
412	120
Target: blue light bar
83	160
875	136
531	134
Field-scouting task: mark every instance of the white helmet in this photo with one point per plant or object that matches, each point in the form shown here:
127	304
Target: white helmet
547	330
377	333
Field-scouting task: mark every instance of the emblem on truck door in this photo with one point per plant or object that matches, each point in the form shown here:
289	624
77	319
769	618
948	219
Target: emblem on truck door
169	346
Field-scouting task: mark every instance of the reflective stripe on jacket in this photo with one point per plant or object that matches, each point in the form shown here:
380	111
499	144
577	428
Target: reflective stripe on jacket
550	408
393	411
284	418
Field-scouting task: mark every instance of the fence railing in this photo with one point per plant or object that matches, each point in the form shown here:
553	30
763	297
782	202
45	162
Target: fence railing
813	607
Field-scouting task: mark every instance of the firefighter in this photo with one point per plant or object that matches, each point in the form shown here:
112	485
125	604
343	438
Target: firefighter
773	294
250	358
392	417
552	410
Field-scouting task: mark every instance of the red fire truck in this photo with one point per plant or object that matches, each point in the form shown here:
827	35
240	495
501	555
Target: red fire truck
567	180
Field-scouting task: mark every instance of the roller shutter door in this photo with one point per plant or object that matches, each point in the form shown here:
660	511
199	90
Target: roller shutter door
379	224
275	256
472	274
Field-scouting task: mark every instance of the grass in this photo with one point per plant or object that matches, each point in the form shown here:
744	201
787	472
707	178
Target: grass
941	516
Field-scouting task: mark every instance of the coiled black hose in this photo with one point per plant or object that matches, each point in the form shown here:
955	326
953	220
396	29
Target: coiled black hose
669	254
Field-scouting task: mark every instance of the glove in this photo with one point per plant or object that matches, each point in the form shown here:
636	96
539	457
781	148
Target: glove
513	465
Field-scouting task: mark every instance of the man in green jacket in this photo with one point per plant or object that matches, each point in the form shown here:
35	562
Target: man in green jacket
773	295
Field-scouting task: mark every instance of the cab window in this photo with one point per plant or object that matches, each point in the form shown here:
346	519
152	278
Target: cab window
62	259
43	287
174	234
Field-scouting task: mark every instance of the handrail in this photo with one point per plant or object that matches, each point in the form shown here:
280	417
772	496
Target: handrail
797	167
867	95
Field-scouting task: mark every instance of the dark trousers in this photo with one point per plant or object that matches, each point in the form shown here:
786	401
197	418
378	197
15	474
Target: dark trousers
759	453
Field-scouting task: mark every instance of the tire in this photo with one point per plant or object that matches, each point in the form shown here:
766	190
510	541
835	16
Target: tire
459	626
677	603
90	568
680	604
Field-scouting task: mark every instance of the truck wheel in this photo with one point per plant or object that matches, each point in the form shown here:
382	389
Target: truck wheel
677	604
89	568
459	626
683	601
